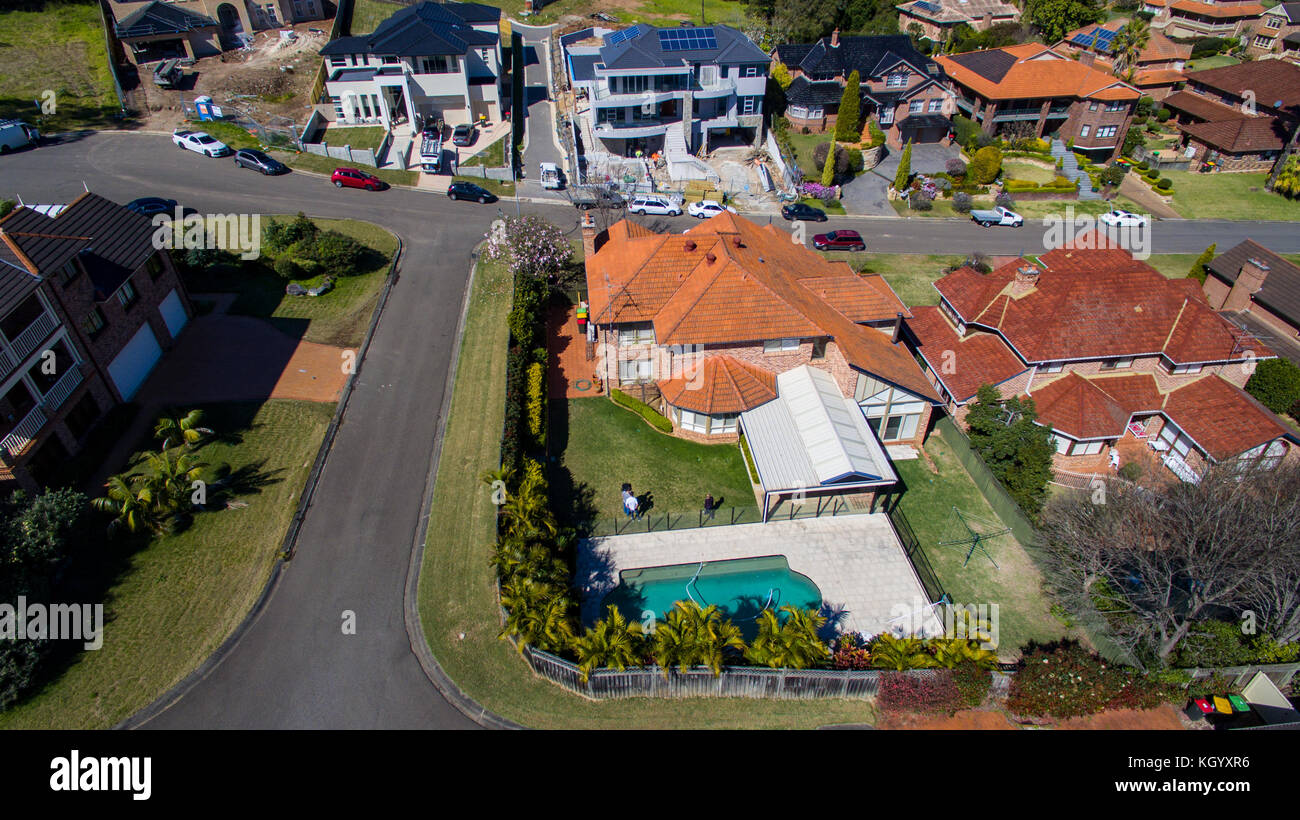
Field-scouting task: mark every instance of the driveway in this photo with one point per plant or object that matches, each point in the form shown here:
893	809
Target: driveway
539	135
867	195
927	158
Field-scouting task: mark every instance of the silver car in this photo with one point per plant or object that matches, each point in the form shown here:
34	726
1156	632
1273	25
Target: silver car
661	206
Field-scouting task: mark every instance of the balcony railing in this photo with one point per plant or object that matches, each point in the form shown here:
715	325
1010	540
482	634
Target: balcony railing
24	432
58	394
24	343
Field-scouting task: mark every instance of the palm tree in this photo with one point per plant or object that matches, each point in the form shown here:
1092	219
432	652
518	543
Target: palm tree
693	635
1128	44
170	479
172	430
537	614
953	652
527	512
612	642
793	644
130	510
899	654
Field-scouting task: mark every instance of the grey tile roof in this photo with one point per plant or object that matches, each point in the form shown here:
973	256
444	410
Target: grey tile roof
16	282
992	64
160	18
802	92
646	51
423	30
870	56
1281	290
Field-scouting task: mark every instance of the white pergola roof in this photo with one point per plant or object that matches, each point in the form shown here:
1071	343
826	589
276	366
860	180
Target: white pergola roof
811	436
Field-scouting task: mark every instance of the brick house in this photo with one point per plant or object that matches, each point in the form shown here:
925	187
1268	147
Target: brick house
1190	19
1113	354
163	29
1001	88
1158	68
1251	279
903	91
937	18
702	324
1275	25
88	286
1241	117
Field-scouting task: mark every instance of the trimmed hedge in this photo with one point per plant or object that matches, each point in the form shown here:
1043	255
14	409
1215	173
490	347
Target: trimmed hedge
537	403
643	410
749	460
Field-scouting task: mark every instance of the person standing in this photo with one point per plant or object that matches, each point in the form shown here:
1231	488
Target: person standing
709	507
633	506
627	493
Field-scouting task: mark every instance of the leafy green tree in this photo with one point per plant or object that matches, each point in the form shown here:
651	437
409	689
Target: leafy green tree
849	120
1276	383
279	236
985	165
612	642
1055	18
1198	271
828	168
6	205
1017	450
174	430
790	645
904	168
537	614
1288	177
782	76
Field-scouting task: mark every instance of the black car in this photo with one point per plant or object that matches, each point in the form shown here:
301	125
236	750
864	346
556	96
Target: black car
150	205
248	158
807	213
468	190
463	135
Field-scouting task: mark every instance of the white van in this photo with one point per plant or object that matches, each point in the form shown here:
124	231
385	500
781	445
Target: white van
550	175
16	134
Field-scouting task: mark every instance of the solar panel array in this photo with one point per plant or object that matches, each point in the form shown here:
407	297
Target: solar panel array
624	35
1100	38
1105	38
687	39
926	5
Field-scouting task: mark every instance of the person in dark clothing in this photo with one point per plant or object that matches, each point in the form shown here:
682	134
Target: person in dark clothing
709	507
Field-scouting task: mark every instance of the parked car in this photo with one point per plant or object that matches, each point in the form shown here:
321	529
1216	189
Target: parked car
839	241
1123	219
551	176
659	205
807	213
587	198
248	158
706	208
468	190
200	143
464	134
17	134
150	205
998	216
352	178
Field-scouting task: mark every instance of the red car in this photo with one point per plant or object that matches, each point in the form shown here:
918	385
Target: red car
352	178
839	241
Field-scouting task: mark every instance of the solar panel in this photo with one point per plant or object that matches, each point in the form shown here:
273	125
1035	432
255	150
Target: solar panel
624	35
1104	38
687	39
1082	38
926	5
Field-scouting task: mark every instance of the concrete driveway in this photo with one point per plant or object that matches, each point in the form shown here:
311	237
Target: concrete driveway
867	195
927	158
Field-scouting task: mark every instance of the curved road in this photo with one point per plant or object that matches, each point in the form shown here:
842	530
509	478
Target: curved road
294	668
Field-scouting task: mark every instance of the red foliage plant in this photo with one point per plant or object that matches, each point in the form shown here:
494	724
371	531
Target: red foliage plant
933	693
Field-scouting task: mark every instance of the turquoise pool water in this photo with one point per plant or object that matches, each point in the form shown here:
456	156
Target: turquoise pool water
741	588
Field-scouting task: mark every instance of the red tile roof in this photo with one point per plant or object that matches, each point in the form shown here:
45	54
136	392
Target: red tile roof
1223	11
1203	107
1240	136
720	384
980	358
1097	406
727	280
1222	419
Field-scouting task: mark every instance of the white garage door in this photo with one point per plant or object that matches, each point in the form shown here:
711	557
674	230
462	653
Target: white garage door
133	364
173	313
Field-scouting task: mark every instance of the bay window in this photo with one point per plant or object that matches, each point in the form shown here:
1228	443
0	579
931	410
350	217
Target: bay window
702	423
893	414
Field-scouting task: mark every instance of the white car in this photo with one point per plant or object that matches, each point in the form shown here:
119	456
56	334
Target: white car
706	208
658	205
1123	219
200	143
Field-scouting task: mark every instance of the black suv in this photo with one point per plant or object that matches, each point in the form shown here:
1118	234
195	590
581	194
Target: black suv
248	158
468	190
807	213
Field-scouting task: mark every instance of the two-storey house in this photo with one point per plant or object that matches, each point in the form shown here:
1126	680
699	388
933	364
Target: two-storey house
1113	354
1158	68
937	18
674	90
426	62
87	307
1277	32
163	29
1190	19
1002	88
1239	117
903	91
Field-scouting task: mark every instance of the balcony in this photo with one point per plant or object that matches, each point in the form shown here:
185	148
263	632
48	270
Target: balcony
661	92
1017	114
24	431
631	129
58	394
26	342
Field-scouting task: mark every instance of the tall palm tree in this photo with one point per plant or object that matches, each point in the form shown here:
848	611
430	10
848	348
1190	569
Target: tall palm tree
612	642
793	644
131	511
899	654
1128	44
173	430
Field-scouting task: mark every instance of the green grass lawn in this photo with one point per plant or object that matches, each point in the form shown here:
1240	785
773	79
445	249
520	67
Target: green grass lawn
803	152
359	137
170	604
457	594
1228	196
1012	169
1217	61
339	317
1014	585
59	48
608	445
494	156
1177	265
368	14
832	207
909	274
229	133
326	165
501	189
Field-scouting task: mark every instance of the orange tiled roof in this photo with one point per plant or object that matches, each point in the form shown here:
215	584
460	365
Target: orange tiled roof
1159	76
721	384
980	358
1037	71
1221	418
1227	11
1160	47
1093	303
1095	407
727	280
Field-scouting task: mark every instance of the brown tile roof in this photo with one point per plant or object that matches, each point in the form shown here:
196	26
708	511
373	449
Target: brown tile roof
1221	418
758	285
1077	407
1160	47
980	358
1271	81
1094	303
1203	107
1031	70
1280	292
1248	135
1226	11
720	384
1159	76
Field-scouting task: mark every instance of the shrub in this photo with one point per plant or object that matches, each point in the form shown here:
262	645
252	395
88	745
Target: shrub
1198	267
856	162
1165	183
961	202
877	136
972	684
642	409
943	184
1144	166
512	427
965	129
1131	471
1212	644
1276	383
904	168
1062	679
918	201
286	267
279	237
7	205
1163	115
1113	175
847	122
986	165
816	190
339	253
537	403
1208	47
849	651
955	167
1004	200
933	693
200	258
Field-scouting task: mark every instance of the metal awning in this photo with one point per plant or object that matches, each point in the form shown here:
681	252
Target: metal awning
812	438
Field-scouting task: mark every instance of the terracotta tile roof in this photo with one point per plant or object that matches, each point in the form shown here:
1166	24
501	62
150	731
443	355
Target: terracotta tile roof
1031	70
1160	47
1203	107
1247	135
1094	303
980	358
1077	407
1159	76
720	384
1221	418
757	286
1226	11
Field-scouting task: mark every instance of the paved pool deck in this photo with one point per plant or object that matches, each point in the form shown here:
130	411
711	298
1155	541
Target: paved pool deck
856	561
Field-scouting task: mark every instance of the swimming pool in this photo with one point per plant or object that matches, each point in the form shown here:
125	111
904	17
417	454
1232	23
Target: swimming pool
741	588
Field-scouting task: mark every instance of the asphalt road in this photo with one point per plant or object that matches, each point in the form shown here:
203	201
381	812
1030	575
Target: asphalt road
294	668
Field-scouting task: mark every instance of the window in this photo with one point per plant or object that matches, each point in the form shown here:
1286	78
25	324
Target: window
154	266
643	335
1264	42
1052	367
751	71
695	422
886	116
93	323
1086	448
1083	132
915	106
936	106
1184	369
339	60
724	424
1116	364
892	413
1272	22
780	345
126	295
1107	131
1062	444
1092	106
437	65
895	81
1175	439
635	370
748	106
68	272
798	112
1115	106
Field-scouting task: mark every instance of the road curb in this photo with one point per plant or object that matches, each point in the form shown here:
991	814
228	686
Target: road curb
411	609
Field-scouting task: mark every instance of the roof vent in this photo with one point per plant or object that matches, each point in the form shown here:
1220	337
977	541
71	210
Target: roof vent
735	240
690	245
710	258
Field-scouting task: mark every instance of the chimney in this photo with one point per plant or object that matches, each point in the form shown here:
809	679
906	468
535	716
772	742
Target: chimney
1025	281
835	38
1249	280
690	245
898	327
589	235
1087	58
735	240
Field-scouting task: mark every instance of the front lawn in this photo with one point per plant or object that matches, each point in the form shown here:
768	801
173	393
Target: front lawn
494	156
171	603
909	274
1228	196
359	137
803	145
229	133
326	165
1027	171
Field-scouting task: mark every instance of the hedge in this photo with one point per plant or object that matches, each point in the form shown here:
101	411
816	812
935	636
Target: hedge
537	403
643	410
749	460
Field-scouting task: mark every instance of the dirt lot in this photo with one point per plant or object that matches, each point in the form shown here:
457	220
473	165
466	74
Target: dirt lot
274	79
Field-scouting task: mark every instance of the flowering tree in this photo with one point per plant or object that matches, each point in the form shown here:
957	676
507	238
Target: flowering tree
530	245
